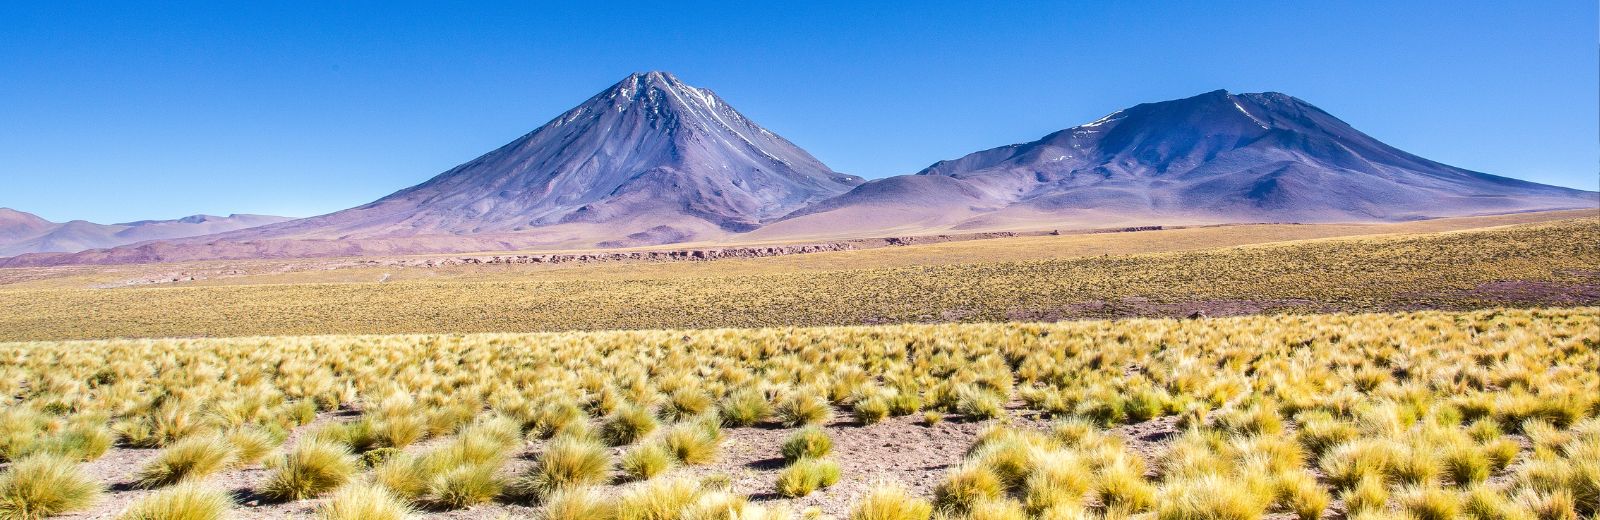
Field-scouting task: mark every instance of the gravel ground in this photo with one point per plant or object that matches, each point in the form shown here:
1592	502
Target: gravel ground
901	449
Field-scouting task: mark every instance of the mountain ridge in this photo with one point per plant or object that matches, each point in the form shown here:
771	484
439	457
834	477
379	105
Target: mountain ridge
1211	158
23	233
651	160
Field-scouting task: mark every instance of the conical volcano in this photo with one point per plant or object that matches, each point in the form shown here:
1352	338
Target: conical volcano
648	155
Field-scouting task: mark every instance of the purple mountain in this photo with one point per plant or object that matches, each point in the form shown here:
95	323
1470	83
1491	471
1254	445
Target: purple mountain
1215	157
650	157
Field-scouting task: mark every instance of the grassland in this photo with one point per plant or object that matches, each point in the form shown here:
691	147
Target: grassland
1431	414
1036	278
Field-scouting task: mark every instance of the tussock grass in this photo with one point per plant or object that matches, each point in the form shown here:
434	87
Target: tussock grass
1392	408
966	486
578	503
566	463
364	501
185	501
44	485
806	442
691	444
744	408
627	425
187	459
659	499
360	501
311	468
645	462
803	409
806	475
890	501
871	410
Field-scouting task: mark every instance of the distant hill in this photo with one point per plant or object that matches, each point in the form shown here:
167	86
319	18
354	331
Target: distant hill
22	232
1215	157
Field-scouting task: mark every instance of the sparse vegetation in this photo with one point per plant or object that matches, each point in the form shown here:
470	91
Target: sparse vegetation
44	485
312	468
983	281
806	475
1419	413
363	502
185	501
189	458
808	442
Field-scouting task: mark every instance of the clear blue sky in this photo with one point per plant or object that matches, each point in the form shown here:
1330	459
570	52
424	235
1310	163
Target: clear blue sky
158	110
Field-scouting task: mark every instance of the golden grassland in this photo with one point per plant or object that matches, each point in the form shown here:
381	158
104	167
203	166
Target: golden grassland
1484	414
1399	271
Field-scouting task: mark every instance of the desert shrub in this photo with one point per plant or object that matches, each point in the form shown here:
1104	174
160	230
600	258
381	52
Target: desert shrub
1072	431
1348	463
1481	502
723	505
1320	431
1466	464
1501	452
716	482
1368	494
312	468
1058	481
462	486
185	501
399	430
932	417
1002	509
359	436
251	444
377	457
81	442
363	502
807	475
1209	497
744	408
685	403
810	441
1429	503
871	410
801	409
1299	492
690	444
904	402
458	474
187	459
1122	486
578	503
645	461
975	404
888	501
967	485
658	499
1261	419
44	485
564	464
626	425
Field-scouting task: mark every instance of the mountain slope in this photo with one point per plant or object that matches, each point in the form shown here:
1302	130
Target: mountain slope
22	233
649	151
1216	157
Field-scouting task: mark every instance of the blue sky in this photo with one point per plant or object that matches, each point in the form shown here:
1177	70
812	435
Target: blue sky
115	112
